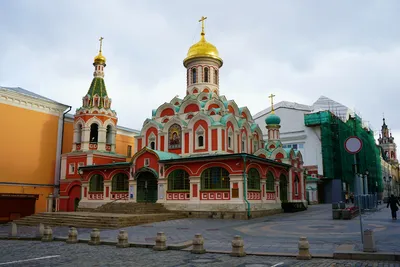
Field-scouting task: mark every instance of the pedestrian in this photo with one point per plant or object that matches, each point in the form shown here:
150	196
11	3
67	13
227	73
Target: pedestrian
393	202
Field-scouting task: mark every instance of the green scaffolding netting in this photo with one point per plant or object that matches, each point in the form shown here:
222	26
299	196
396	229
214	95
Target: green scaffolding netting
337	162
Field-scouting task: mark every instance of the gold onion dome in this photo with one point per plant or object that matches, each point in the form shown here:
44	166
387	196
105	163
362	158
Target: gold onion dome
100	59
202	49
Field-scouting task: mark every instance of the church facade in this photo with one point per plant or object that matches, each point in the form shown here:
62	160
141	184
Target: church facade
202	154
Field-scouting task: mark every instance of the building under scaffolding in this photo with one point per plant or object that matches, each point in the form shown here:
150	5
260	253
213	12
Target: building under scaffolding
338	165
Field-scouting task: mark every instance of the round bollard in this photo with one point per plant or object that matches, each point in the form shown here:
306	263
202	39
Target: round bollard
14	230
94	237
47	234
161	240
238	247
304	249
122	239
41	229
72	236
198	244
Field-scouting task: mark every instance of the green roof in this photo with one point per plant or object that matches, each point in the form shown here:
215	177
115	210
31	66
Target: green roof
110	165
253	127
97	87
272	119
166	155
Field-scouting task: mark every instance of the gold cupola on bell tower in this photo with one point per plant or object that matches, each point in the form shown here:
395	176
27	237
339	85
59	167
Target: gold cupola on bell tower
100	59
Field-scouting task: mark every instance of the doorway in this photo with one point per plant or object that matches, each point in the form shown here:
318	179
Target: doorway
146	187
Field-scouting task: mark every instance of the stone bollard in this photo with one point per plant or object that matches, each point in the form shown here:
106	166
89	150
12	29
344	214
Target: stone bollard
14	230
198	244
238	247
304	249
94	237
72	236
41	229
47	234
161	240
122	239
369	241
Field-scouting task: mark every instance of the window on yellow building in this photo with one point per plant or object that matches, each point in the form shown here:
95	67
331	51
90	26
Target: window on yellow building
129	151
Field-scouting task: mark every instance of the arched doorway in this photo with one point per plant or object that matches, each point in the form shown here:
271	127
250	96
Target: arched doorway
146	187
283	188
76	203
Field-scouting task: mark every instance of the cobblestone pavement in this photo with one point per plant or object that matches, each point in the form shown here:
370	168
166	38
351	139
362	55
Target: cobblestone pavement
36	253
278	233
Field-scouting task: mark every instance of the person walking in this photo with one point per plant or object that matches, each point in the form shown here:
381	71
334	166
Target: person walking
393	202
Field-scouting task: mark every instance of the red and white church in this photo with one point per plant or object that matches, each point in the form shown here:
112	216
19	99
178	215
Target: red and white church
202	154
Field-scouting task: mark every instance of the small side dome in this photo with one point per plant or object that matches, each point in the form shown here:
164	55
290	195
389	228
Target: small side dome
272	119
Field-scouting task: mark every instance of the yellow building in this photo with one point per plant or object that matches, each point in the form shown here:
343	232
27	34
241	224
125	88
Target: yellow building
31	149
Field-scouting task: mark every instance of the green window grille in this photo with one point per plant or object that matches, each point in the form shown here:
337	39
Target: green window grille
253	179
120	182
178	180
215	178
270	181
96	183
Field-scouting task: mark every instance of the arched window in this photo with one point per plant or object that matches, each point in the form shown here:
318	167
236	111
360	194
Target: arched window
120	182
229	142
296	185
216	76
94	132
153	145
200	138
109	135
244	144
206	74
96	183
152	141
215	178
178	180
200	141
270	183
79	134
253	179
194	75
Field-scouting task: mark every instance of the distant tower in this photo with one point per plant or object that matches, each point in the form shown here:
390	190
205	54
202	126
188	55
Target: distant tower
202	64
273	123
386	141
95	122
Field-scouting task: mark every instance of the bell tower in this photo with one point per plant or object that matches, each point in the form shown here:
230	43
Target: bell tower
95	122
386	141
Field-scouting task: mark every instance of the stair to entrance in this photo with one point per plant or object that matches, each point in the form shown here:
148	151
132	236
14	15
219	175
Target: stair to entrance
293	206
132	208
108	216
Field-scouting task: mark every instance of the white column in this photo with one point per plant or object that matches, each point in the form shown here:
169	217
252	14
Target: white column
219	139
85	138
239	180
209	139
101	139
194	180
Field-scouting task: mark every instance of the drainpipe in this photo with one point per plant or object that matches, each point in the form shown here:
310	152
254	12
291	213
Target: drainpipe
61	145
245	187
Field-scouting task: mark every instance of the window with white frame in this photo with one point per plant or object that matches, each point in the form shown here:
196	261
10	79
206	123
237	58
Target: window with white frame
71	168
200	138
152	141
243	143
146	162
230	139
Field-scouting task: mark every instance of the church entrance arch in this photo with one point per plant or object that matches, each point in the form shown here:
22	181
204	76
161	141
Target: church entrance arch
283	188
146	186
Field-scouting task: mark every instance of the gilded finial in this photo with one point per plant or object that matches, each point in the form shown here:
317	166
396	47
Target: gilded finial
101	43
272	102
202	25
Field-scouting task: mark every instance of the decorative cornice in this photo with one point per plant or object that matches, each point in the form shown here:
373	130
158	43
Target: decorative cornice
12	98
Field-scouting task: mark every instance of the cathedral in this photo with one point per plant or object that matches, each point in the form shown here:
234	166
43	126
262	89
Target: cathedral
200	154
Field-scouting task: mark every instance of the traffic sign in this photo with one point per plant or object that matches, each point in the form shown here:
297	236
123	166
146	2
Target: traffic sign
353	145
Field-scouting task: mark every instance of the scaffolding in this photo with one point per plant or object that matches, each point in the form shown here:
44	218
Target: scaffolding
337	162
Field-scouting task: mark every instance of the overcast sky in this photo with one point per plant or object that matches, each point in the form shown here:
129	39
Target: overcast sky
346	50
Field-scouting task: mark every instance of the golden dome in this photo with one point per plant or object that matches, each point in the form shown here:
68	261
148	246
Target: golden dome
202	49
100	59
